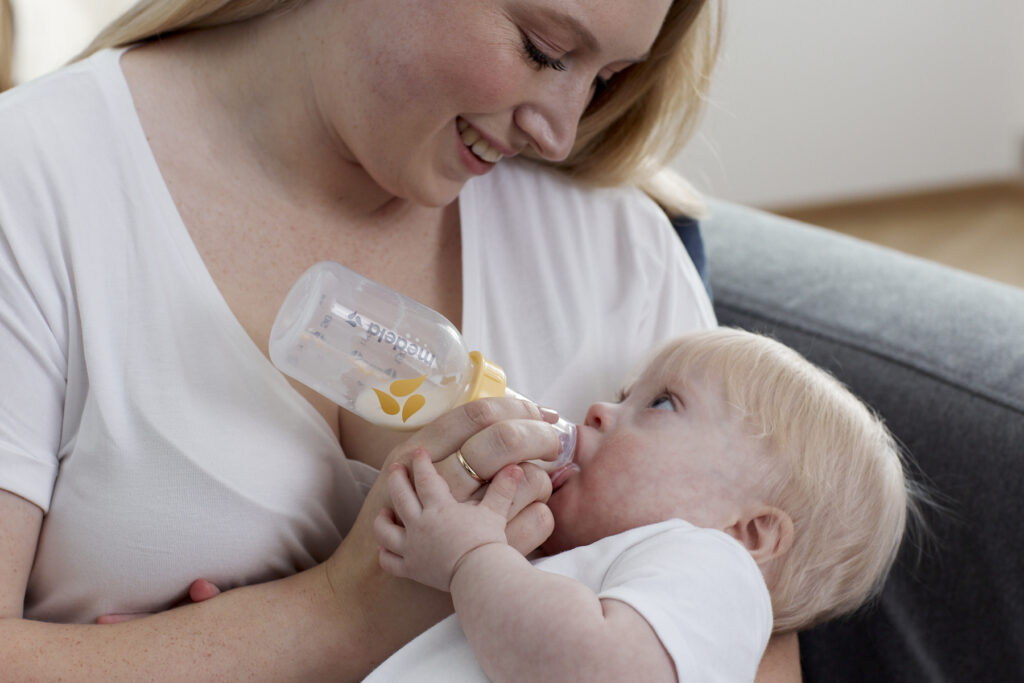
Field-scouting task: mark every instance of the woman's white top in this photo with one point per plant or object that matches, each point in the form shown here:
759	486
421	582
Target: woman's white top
138	414
699	590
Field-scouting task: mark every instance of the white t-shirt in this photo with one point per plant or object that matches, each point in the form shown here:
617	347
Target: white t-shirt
162	444
699	589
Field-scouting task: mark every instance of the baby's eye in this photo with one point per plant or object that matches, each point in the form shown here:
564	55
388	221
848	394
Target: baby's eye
663	402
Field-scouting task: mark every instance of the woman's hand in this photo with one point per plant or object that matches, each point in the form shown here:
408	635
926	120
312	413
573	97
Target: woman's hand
490	434
384	612
433	532
198	591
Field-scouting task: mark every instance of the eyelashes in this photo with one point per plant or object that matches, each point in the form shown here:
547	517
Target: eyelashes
542	60
538	57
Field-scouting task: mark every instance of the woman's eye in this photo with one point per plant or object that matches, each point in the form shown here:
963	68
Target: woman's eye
539	57
663	403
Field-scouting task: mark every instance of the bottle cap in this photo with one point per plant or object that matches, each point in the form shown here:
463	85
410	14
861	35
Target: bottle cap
488	378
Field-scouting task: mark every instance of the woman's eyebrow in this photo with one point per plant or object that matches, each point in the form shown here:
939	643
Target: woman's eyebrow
570	23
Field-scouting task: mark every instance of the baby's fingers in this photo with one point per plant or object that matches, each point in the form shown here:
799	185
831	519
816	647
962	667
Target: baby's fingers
390	535
403	496
501	492
391	563
430	485
531	527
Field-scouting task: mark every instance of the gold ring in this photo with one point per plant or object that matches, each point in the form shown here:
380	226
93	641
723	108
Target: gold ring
466	466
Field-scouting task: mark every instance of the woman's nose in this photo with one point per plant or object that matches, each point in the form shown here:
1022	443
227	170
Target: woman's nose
550	121
600	416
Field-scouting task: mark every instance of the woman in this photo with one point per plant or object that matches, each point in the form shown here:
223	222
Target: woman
164	200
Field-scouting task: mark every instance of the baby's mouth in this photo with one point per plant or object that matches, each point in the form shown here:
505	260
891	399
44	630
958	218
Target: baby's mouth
480	148
562	475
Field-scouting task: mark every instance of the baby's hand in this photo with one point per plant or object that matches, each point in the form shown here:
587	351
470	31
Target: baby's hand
436	532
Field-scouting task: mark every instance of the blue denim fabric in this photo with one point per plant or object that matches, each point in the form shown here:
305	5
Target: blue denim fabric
688	230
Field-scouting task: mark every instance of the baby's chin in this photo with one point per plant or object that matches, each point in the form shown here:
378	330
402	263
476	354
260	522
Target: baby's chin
552	546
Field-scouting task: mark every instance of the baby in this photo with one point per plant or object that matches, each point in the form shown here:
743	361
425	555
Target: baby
733	491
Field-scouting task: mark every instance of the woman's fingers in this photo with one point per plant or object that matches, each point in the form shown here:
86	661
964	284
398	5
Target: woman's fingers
449	431
487	451
445	435
118	618
198	591
201	589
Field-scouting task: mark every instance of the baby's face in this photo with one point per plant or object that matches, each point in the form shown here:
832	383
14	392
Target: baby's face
671	447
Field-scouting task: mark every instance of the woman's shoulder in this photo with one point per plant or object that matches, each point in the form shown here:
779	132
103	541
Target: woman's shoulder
521	201
57	108
65	134
531	188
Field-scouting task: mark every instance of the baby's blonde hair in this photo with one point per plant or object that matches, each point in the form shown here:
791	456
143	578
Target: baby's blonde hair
628	136
832	466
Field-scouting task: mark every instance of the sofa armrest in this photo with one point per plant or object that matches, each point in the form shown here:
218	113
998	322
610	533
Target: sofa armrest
939	354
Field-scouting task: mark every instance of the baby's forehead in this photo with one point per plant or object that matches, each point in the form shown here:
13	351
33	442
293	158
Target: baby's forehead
671	367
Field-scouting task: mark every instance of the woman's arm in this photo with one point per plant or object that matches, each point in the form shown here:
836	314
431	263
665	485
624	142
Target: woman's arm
293	628
335	621
523	623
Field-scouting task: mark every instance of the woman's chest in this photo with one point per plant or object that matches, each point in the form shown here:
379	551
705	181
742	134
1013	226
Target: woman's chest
180	465
255	262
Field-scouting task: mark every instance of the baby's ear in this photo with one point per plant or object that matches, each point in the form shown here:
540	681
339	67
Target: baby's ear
767	533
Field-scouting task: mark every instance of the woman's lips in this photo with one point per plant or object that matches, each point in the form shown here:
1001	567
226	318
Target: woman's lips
475	141
471	161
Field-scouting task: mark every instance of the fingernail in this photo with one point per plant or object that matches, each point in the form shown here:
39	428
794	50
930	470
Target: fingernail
549	415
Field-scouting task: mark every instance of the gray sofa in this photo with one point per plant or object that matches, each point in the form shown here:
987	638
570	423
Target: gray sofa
940	355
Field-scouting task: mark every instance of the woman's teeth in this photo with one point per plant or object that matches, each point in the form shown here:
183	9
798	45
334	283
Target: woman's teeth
480	147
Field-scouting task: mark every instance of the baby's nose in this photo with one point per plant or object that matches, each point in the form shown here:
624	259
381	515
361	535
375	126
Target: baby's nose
600	415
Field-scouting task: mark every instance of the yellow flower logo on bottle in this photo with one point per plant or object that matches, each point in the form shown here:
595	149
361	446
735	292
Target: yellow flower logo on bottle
402	388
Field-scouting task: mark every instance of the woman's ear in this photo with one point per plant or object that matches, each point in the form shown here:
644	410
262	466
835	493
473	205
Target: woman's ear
767	533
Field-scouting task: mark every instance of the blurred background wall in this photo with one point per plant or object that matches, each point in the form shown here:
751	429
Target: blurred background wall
816	101
50	32
813	101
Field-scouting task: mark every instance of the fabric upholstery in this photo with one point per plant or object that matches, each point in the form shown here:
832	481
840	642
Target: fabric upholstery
939	354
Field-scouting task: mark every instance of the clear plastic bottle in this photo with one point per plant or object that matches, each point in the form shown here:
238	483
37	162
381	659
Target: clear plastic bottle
387	358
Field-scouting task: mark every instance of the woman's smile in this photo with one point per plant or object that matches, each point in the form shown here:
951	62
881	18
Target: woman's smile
476	143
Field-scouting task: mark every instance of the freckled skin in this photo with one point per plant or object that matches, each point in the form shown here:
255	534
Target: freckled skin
424	63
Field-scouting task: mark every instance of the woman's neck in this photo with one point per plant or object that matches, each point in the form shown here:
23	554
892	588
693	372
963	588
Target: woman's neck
249	89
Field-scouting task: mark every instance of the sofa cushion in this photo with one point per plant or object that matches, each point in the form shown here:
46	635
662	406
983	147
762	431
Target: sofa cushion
939	354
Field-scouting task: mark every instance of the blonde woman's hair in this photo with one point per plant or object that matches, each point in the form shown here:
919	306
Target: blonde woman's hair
6	45
831	465
628	136
149	19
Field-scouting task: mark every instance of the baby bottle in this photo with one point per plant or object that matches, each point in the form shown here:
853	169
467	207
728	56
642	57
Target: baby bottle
378	353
